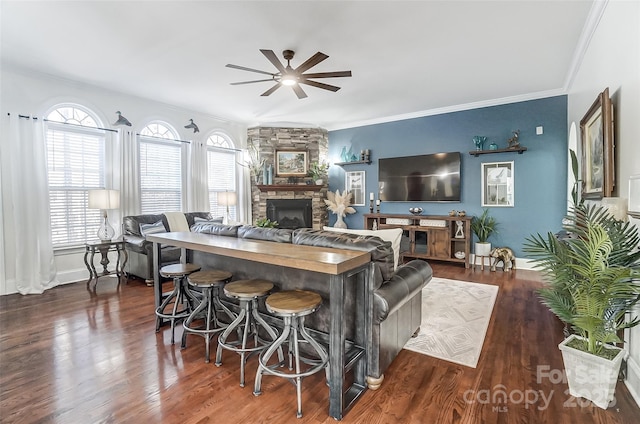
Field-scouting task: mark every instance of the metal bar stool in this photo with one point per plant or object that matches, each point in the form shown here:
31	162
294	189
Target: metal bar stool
292	306
178	296
210	282
248	292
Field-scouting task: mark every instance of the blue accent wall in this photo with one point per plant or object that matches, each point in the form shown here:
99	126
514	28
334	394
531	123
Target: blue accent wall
540	172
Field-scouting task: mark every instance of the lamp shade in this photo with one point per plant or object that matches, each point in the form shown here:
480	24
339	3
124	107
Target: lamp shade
104	199
227	198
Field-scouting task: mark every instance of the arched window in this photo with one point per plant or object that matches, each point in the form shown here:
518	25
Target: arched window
161	169
221	174
76	164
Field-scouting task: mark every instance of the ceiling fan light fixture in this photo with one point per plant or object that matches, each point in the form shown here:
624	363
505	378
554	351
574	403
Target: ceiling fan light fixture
288	80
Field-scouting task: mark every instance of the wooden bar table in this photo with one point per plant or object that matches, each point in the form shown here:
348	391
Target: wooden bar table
336	264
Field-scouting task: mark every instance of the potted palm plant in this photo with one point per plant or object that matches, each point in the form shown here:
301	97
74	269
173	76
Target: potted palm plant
483	227
591	275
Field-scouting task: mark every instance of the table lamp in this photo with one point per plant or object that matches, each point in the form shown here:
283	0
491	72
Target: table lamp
104	199
227	198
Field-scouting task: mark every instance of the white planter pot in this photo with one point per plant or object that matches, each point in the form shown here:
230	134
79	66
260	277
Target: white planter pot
590	376
483	249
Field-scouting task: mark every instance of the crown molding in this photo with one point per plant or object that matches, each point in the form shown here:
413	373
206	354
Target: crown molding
588	30
451	109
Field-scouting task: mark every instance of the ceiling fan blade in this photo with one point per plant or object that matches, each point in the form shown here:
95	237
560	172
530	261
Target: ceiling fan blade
251	82
269	54
243	68
335	74
271	90
312	61
299	91
319	85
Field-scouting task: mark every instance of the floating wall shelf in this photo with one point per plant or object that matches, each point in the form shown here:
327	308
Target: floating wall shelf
355	162
477	153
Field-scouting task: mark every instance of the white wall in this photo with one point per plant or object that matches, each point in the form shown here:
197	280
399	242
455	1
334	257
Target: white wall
613	60
29	93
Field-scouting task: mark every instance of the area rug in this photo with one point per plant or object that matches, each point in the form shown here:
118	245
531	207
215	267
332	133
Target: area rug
455	317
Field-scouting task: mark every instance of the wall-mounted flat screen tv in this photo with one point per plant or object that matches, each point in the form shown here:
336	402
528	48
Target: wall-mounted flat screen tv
424	178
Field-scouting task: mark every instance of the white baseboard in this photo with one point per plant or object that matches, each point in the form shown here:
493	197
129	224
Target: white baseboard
521	263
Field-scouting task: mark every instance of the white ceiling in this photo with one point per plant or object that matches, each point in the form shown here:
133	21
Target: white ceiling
408	58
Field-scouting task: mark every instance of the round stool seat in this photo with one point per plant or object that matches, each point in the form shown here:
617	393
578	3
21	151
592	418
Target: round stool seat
178	270
209	278
248	289
293	302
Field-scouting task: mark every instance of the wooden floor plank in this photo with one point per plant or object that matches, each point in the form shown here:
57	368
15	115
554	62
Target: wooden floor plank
75	356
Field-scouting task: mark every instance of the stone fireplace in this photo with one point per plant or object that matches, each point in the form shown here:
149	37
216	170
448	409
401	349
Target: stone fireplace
268	140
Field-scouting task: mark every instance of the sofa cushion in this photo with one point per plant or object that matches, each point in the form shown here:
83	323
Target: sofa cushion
156	227
393	235
381	251
280	235
216	229
216	220
131	223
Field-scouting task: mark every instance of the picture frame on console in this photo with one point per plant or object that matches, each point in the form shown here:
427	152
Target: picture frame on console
598	168
292	163
354	182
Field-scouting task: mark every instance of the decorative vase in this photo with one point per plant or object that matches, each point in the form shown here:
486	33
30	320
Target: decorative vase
319	181
340	222
479	141
493	146
590	376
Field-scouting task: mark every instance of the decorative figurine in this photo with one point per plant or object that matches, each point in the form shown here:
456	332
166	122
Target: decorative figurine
460	229
514	142
504	255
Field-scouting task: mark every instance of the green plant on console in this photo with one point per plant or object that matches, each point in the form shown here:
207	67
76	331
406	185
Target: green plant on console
591	274
484	226
266	223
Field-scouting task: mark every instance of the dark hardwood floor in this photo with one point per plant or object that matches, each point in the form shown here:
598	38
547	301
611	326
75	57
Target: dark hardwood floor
73	356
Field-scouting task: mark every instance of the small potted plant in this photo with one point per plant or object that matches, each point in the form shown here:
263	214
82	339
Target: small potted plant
592	283
266	223
483	227
318	171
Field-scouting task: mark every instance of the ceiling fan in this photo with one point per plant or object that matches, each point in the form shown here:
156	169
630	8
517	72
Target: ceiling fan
293	77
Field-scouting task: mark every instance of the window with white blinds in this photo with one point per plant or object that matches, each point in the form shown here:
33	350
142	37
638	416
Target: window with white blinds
160	170
75	162
221	173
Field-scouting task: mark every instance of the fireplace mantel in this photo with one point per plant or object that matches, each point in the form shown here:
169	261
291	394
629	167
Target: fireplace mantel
289	187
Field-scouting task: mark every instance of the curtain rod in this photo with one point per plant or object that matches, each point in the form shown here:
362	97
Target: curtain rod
65	123
162	138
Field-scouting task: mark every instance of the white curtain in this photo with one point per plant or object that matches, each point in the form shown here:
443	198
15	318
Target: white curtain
28	250
198	185
129	173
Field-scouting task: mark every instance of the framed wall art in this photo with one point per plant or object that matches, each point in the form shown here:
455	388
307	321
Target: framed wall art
498	184
598	168
354	182
291	163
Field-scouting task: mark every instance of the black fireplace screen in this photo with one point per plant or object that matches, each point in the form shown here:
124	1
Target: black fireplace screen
290	213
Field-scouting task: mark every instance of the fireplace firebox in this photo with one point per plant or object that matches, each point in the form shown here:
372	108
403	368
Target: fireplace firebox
291	213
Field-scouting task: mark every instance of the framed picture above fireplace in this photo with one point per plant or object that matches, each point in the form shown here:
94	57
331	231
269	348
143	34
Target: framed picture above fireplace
291	163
